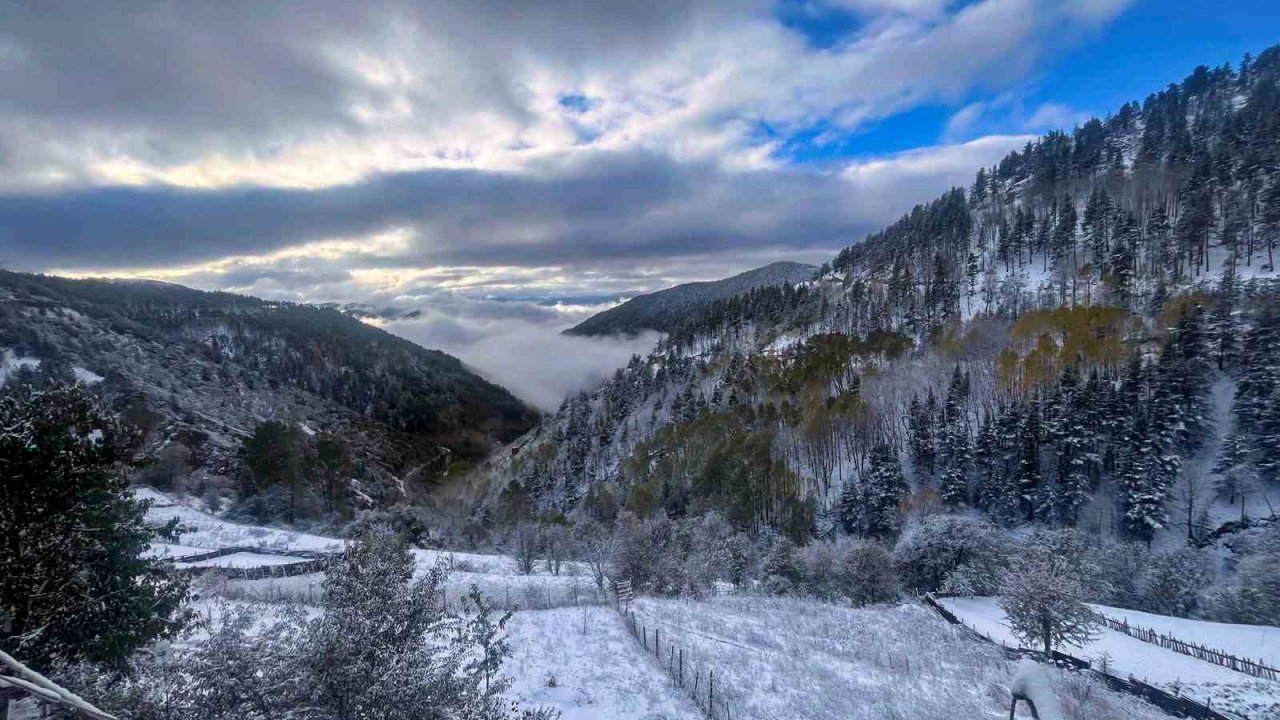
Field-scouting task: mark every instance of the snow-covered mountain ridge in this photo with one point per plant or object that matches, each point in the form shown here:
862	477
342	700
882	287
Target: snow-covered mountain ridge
1041	347
200	370
666	310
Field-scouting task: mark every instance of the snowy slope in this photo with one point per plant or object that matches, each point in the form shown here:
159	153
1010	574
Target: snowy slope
583	662
781	659
496	576
1256	642
1125	655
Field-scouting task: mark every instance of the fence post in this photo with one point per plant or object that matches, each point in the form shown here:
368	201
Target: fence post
681	667
711	690
656	653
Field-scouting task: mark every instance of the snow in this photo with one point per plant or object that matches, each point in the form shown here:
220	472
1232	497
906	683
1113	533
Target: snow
212	533
243	560
1128	656
1032	682
495	575
782	658
1256	642
87	377
10	363
584	663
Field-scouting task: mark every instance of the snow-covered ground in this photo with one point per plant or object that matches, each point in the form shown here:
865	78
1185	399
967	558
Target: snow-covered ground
497	576
11	363
1166	669
584	663
1255	642
208	532
780	659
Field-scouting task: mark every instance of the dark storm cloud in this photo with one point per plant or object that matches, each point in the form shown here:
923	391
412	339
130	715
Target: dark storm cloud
618	205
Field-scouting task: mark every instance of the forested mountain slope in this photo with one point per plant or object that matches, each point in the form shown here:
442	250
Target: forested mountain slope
195	373
665	310
1089	335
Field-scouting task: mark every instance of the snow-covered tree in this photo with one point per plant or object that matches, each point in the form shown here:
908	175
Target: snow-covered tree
1044	601
884	489
964	550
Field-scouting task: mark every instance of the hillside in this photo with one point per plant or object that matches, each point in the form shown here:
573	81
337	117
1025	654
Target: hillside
194	373
667	309
1087	336
572	651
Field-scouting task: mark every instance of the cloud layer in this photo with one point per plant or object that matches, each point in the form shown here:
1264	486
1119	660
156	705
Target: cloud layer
491	154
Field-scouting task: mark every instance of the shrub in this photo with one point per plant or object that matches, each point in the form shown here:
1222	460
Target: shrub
964	549
385	647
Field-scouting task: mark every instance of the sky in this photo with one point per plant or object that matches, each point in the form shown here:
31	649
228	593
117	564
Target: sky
506	168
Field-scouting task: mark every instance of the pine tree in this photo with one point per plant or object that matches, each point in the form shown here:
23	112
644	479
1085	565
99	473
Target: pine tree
850	507
885	489
956	451
922	431
1236	476
1028	472
74	580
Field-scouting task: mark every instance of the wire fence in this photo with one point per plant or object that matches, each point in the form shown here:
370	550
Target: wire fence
696	679
1174	704
1258	668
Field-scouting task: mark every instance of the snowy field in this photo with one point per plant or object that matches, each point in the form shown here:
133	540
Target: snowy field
208	532
497	576
1174	672
584	663
782	659
1255	642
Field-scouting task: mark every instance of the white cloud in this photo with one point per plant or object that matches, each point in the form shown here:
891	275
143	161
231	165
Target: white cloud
327	93
531	359
1054	116
963	120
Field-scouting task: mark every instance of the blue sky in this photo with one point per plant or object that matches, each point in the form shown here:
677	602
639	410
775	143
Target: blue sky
1144	48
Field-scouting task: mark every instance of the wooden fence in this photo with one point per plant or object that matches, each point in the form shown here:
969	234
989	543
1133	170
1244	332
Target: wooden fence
1257	668
699	682
315	562
1176	705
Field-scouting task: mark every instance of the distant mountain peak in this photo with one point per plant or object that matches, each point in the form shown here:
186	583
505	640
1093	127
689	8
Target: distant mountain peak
665	309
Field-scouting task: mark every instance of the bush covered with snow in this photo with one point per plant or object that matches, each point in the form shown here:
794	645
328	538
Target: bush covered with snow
959	554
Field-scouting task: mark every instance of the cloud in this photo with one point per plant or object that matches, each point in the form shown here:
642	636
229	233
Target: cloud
1054	116
579	212
477	163
529	358
963	120
331	92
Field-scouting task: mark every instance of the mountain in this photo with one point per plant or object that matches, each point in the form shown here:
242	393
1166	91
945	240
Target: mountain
199	371
666	309
1088	336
